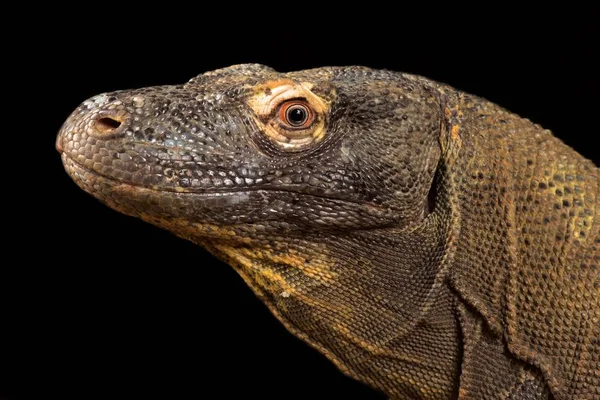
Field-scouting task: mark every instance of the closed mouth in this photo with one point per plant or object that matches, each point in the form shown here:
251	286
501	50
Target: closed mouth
71	163
119	184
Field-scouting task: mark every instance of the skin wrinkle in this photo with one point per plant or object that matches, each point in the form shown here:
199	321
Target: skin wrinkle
431	244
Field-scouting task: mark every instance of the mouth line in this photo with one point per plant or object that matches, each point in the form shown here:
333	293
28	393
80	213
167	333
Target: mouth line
118	183
205	193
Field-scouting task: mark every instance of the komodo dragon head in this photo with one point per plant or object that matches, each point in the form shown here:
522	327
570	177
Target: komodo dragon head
249	148
337	195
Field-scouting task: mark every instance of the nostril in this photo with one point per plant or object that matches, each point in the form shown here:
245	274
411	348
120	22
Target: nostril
107	124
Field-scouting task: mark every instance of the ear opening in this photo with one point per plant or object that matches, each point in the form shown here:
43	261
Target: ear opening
432	195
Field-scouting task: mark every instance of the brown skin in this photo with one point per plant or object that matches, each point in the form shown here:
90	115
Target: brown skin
428	242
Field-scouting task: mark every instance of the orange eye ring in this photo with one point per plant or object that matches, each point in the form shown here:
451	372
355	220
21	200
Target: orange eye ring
295	115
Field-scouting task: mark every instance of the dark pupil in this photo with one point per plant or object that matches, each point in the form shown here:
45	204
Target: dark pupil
296	115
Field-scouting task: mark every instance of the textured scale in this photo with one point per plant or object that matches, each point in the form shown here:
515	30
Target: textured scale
428	242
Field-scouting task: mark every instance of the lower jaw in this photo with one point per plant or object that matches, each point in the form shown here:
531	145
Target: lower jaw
270	211
123	195
80	173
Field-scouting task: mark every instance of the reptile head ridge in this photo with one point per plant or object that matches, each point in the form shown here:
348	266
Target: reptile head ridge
248	146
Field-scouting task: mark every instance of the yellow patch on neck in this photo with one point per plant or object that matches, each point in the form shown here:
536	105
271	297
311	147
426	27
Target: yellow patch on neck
263	265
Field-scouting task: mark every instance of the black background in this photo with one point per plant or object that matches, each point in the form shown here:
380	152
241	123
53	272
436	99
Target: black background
96	303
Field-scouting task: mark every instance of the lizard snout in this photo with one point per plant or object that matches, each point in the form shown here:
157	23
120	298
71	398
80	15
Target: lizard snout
95	122
59	146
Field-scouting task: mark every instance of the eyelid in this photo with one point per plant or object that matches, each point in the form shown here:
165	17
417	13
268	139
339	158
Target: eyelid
268	99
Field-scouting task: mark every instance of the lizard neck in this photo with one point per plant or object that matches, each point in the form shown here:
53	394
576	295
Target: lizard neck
374	302
525	205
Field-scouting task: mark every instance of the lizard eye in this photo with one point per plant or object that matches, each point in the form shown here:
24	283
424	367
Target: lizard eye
289	114
295	114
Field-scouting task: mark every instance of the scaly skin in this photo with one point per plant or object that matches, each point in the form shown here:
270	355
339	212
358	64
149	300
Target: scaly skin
428	242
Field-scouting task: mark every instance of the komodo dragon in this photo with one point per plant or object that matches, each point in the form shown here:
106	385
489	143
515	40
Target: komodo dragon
428	242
